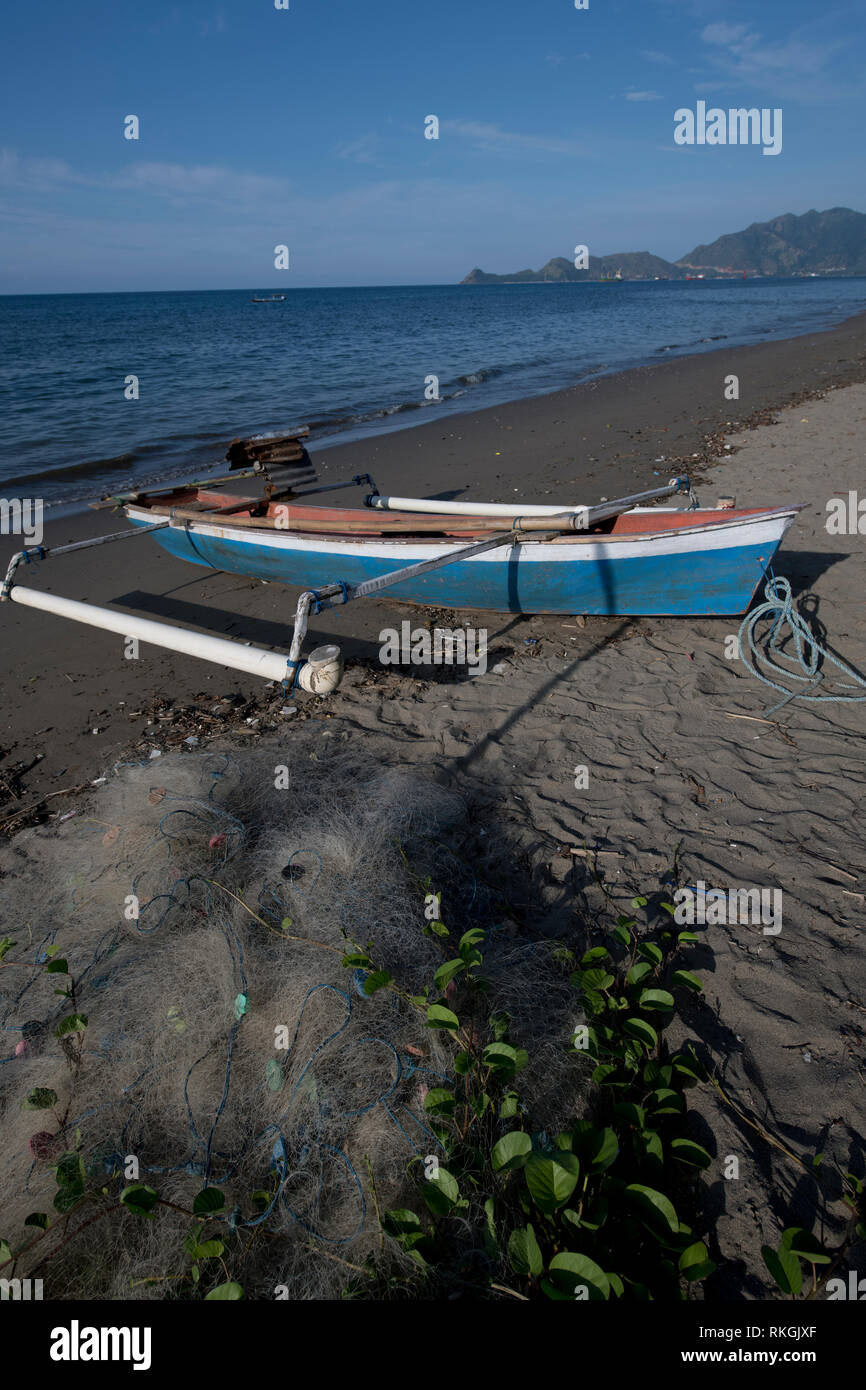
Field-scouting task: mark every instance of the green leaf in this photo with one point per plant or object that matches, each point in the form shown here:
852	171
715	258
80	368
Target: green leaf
5	1250
37	1218
685	938
439	1101
439	1017
467	944
695	1262
445	974
637	973
690	981
140	1200
74	1023
510	1105
480	1103
209	1199
6	944
208	1250
491	1241
572	1274
504	1058
524	1252
638	902
463	1063
595	953
688	1152
621	935
784	1267
805	1245
40	1098
604	1150
57	967
400	1222
66	1198
656	1210
595	979
511	1151
441	1192
666	1102
649	1143
634	1115
357	961
224	1292
687	1065
643	1031
377	979
656	999
551	1181
650	952
436	928
69	1171
607	1075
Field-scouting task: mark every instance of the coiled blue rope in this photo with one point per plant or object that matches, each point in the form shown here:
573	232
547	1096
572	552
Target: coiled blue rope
809	654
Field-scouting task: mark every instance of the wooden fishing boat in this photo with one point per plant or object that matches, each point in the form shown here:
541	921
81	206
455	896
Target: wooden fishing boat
620	558
647	560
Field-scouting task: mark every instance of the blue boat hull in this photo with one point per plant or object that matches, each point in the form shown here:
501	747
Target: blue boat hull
677	576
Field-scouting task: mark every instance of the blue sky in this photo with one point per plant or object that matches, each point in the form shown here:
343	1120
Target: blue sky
306	127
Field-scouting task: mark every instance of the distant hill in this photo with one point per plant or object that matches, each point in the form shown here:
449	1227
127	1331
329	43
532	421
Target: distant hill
635	265
818	243
815	243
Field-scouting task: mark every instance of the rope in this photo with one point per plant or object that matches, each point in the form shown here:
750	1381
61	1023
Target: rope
810	654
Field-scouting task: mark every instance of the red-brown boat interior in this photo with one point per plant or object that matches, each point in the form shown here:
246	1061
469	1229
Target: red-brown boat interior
293	515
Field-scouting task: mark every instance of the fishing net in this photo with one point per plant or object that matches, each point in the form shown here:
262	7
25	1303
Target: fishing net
203	904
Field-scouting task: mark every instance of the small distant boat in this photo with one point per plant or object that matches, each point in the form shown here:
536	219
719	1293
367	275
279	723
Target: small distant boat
267	299
610	279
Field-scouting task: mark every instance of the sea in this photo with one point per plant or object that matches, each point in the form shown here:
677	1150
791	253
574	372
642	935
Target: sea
104	392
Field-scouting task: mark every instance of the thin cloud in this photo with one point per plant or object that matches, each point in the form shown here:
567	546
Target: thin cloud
653	55
492	139
643	96
364	150
794	67
179	182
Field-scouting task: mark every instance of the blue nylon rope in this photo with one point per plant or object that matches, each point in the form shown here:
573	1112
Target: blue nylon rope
810	655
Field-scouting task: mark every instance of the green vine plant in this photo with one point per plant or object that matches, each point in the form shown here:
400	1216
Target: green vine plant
610	1207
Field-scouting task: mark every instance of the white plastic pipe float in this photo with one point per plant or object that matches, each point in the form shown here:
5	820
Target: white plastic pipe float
518	510
271	666
501	509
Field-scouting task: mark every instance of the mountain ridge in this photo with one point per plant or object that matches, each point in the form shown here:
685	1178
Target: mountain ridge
812	243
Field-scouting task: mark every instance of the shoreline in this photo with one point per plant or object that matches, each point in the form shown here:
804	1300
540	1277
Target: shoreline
397	421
